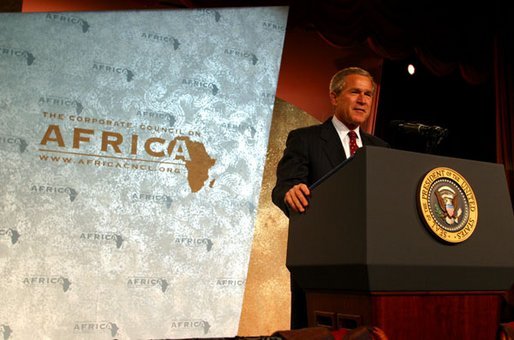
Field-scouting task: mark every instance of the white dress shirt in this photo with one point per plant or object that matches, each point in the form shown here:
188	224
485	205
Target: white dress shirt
342	131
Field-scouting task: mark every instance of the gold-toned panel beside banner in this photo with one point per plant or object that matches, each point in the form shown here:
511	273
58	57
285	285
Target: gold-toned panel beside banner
266	304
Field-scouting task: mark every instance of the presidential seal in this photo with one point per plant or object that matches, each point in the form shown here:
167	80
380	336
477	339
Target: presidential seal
447	205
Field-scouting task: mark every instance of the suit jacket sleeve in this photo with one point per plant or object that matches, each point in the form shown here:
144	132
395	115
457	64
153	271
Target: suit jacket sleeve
311	153
292	169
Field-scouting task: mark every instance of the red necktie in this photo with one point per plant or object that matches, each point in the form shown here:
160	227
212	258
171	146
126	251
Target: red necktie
353	142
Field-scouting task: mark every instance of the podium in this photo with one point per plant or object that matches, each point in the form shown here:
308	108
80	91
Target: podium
364	255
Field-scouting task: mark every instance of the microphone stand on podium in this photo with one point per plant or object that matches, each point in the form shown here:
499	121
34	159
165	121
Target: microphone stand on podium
432	135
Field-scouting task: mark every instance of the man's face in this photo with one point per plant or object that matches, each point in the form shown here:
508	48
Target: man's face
353	104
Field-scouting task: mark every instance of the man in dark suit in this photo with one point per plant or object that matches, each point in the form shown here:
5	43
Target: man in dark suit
313	151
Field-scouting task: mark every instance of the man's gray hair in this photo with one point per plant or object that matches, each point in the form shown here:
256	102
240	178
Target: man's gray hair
338	80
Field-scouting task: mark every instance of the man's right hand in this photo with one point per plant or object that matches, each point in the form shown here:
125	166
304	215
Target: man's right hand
297	197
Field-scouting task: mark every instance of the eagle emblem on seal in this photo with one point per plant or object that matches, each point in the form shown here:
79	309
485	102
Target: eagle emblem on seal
448	205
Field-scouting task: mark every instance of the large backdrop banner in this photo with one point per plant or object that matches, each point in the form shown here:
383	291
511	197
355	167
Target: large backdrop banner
132	150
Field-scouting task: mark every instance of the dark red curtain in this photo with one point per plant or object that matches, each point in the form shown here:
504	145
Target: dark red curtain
504	81
445	36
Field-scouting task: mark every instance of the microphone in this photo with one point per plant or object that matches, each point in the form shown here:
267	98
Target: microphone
419	128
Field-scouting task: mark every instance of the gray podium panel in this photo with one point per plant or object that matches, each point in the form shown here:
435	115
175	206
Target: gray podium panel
363	231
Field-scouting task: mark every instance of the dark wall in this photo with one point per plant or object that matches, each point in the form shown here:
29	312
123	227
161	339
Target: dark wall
10	5
467	111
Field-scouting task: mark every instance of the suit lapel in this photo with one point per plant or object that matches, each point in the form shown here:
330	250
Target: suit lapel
332	144
366	140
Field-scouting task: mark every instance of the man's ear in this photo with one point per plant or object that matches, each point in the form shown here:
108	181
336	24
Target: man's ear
333	98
